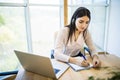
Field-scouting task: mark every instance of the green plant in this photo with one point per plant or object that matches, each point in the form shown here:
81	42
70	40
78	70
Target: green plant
91	78
114	71
115	77
2	21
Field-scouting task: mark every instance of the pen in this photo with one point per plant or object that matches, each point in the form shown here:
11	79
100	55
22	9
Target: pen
80	54
84	57
88	52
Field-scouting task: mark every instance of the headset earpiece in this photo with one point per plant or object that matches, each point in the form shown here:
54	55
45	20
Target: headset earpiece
73	20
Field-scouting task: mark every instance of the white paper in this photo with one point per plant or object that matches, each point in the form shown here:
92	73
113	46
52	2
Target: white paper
78	68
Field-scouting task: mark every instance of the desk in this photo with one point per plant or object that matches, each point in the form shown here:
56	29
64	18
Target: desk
109	63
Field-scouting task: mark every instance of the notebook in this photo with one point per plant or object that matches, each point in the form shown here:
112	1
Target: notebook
79	68
41	65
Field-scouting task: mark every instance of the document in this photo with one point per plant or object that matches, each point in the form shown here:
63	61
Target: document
78	68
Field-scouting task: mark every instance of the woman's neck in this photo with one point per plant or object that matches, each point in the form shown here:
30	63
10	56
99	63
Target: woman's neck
77	33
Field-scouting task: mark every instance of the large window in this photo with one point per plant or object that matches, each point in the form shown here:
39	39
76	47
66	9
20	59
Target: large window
12	36
27	28
44	22
45	19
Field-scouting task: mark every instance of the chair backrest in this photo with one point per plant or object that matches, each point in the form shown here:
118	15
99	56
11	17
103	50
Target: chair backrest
52	51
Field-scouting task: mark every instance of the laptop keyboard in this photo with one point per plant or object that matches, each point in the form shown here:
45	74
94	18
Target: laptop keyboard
56	71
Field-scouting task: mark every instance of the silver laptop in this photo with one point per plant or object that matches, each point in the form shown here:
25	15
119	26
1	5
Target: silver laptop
41	65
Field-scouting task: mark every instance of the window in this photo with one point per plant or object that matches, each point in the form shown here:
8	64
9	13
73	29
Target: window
12	36
45	21
22	25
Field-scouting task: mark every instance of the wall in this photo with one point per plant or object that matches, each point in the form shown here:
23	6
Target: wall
113	44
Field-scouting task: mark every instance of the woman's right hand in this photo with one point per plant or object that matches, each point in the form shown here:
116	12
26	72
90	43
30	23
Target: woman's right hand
79	61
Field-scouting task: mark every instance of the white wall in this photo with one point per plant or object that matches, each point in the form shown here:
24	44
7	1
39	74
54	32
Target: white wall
113	45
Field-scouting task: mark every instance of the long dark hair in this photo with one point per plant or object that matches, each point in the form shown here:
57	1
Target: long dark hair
80	12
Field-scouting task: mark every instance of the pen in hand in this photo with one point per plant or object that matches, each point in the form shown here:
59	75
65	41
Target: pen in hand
85	60
84	57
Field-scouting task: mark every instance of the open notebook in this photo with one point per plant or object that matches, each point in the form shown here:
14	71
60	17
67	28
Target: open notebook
78	68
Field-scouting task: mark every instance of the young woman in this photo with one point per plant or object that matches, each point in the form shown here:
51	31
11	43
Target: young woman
72	38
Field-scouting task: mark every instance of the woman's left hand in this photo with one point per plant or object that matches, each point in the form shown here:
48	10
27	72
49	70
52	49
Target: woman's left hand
96	61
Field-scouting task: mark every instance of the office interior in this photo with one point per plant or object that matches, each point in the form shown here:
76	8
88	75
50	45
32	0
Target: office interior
29	25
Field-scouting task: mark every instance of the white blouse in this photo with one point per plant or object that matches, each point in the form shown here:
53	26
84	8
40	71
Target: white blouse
63	51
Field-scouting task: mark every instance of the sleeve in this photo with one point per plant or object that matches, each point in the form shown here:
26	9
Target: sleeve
60	46
90	44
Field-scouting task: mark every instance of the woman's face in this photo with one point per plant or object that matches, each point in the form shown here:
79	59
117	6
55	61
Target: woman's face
82	23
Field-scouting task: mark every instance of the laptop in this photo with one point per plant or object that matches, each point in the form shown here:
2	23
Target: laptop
41	65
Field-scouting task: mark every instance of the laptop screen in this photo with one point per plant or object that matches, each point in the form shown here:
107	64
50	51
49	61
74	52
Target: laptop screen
56	71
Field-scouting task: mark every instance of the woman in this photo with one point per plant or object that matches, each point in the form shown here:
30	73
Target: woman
72	38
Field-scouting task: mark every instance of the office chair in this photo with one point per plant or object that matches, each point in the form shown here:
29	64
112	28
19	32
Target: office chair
9	75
